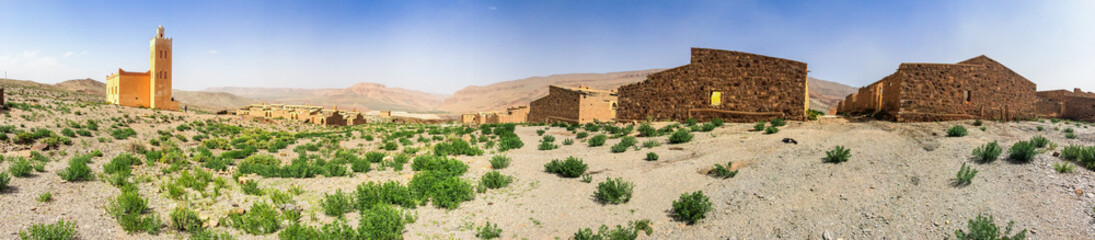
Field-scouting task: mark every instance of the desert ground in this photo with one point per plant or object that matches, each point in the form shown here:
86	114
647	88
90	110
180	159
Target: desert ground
897	184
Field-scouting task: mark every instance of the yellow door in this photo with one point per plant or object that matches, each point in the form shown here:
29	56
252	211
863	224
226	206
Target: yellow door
716	98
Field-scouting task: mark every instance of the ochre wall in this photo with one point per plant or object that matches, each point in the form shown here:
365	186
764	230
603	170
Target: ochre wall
754	87
559	105
128	89
1075	105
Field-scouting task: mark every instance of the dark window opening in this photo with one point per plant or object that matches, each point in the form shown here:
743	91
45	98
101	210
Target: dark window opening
967	96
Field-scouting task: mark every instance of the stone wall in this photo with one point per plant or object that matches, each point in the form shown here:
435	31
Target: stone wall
976	88
573	105
1075	105
751	88
514	115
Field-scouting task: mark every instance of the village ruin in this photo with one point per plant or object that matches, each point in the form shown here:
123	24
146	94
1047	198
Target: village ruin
304	113
733	86
580	104
151	89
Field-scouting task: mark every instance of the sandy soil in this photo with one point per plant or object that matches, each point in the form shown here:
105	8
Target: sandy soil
897	184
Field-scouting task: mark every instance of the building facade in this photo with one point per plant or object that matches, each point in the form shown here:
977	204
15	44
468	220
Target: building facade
733	86
151	89
573	105
977	88
1074	105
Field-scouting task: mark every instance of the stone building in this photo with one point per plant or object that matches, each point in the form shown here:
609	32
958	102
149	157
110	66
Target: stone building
303	113
733	86
151	89
517	114
573	105
1075	105
977	88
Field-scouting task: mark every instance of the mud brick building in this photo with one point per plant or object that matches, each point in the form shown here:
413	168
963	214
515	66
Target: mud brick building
1074	105
303	113
517	114
733	86
573	105
977	88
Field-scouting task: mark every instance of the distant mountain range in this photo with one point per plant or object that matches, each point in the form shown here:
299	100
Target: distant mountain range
372	96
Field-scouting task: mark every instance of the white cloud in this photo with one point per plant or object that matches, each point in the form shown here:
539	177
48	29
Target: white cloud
492	8
67	54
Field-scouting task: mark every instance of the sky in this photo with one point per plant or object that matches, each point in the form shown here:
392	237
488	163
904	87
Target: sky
444	46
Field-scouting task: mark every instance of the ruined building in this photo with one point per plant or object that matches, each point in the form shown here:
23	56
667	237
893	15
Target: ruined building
977	88
1075	105
151	89
517	114
303	113
573	105
733	86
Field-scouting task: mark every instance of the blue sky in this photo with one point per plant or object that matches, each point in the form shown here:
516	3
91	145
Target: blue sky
442	46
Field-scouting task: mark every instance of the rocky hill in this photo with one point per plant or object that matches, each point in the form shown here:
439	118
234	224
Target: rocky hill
825	94
362	96
500	95
200	100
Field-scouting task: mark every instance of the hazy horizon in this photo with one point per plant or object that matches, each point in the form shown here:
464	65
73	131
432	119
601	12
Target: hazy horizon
441	47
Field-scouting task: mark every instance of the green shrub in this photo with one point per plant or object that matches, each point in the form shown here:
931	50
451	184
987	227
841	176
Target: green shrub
489	231
839	154
572	167
645	130
1072	152
651	156
61	230
499	162
631	232
450	166
721	171
614	191
582	135
540	132
1070	135
121	164
77	169
494	180
45	197
509	141
334	230
680	136
83	132
977	123
1022	151
456	147
598	140
624	144
812	115
690	208
988	152
444	189
185	220
382	222
956	131
545	145
261	219
778	122
1040	128
651	144
4	181
1039	141
984	228
965	175
123	133
391	192
1068	130
1064	167
568	142
251	188
337	204
20	168
128	208
68	133
771	130
759	126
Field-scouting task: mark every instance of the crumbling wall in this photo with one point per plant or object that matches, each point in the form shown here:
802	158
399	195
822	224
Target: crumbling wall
560	105
514	115
752	88
1079	108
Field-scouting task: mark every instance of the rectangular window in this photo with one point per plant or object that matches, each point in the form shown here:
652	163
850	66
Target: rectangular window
967	97
716	98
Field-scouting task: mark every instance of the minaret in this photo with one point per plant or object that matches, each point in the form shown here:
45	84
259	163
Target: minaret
160	73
